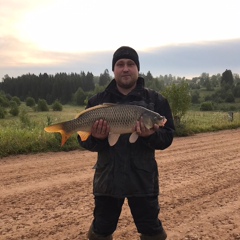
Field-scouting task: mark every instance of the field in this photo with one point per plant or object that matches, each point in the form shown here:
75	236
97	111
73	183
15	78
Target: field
49	195
25	133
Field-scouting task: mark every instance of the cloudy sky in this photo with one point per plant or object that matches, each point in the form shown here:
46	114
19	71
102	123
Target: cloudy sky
183	38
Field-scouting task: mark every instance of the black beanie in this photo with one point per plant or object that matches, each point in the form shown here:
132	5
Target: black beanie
125	52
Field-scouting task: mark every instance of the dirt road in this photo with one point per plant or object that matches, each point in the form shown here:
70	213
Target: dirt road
49	195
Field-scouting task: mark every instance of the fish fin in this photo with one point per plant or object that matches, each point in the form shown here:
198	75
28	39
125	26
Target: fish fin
133	138
84	135
59	128
104	105
113	138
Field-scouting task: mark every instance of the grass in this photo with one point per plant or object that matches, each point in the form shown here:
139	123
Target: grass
25	134
198	121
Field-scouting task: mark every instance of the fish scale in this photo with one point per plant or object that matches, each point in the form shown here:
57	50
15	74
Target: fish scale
118	118
121	119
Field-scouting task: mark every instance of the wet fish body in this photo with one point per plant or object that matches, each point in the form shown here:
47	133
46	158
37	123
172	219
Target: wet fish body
121	119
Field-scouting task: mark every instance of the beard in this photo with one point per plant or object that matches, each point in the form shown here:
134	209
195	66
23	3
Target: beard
126	83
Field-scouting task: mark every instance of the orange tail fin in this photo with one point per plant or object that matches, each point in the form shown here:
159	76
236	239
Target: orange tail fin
59	128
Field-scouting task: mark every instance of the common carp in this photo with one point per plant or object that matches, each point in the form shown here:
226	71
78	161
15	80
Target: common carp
120	117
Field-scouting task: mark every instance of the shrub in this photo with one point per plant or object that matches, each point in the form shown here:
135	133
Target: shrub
230	98
14	109
30	102
17	100
42	106
206	106
4	102
183	130
2	113
57	106
24	118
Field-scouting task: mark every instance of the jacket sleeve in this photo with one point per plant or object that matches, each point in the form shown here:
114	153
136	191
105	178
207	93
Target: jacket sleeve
93	144
162	138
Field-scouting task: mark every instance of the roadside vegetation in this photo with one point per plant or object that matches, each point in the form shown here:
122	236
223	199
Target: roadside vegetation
203	104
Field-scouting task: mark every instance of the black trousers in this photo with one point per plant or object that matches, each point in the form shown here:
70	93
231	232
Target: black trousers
145	211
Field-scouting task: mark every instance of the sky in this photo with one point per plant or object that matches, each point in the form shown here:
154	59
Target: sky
183	38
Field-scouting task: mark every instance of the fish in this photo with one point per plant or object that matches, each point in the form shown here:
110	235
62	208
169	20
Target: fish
121	118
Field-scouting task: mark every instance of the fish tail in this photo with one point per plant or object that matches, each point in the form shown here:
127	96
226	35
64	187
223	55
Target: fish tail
59	128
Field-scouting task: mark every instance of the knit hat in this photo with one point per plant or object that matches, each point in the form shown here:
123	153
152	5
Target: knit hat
125	52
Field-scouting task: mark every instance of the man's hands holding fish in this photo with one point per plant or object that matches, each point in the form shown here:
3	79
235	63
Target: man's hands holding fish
142	131
101	129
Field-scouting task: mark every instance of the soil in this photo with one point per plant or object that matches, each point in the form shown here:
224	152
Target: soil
49	195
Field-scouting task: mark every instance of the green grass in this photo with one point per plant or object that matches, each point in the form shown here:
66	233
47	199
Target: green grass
25	134
197	121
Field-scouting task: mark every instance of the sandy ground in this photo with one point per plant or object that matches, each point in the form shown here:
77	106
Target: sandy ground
49	195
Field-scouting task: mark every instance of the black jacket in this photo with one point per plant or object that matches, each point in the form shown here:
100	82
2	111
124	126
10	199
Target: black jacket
129	169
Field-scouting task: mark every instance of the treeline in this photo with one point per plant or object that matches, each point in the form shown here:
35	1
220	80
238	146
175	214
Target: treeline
60	86
67	88
76	88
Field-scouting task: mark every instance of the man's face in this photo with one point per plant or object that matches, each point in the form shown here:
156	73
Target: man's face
126	73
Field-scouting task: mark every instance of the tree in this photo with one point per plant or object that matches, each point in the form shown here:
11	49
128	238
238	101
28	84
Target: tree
195	96
236	91
104	78
79	97
227	79
208	85
215	80
179	99
88	82
148	79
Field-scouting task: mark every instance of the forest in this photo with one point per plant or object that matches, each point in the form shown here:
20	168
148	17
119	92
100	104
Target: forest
76	88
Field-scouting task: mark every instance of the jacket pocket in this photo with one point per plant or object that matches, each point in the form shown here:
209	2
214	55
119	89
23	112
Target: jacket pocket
147	165
144	160
144	175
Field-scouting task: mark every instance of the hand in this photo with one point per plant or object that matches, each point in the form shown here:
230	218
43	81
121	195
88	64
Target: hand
100	129
142	131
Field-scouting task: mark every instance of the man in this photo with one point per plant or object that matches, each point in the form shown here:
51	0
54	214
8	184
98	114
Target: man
128	170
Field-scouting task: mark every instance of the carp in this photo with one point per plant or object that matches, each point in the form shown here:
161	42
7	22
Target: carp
120	117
